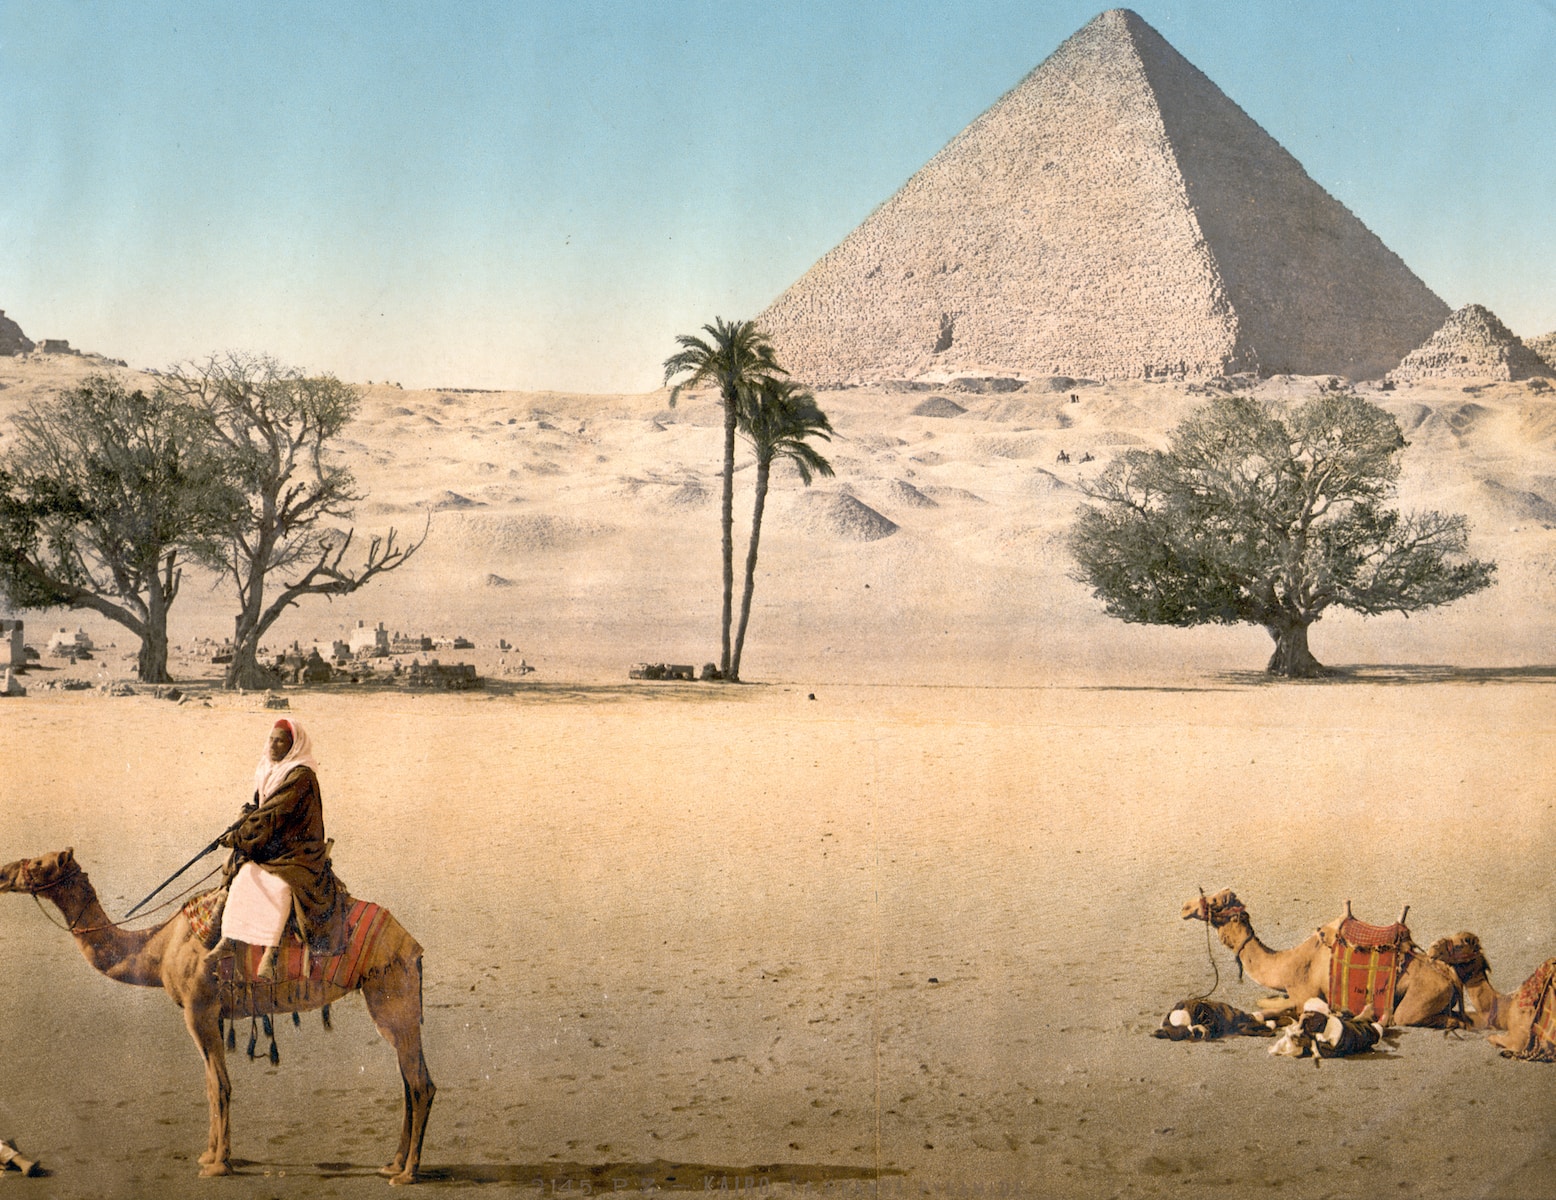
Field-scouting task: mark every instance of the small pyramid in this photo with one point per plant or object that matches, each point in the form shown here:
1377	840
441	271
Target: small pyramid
1114	215
1472	344
12	340
1545	347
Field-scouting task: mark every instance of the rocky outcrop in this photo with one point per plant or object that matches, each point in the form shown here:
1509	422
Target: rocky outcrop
1471	344
1114	215
12	340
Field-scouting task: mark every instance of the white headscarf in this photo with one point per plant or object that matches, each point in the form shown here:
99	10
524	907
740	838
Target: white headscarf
268	776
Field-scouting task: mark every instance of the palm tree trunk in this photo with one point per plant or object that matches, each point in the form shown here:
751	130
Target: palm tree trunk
727	517
763	467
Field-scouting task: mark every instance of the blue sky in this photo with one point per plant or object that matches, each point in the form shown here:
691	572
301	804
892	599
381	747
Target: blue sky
541	195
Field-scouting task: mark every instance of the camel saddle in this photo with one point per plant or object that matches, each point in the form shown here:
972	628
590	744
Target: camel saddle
1539	992
1364	965
301	979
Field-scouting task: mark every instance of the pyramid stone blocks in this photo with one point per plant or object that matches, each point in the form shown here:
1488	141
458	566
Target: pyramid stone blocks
1472	344
1114	215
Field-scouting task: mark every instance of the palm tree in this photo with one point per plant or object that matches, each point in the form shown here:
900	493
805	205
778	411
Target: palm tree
776	417
735	357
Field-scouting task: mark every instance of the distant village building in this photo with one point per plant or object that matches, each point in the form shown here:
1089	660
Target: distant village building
63	643
13	653
368	643
405	643
455	677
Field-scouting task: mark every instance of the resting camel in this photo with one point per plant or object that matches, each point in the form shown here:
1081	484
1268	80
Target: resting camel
1425	994
1509	1015
173	958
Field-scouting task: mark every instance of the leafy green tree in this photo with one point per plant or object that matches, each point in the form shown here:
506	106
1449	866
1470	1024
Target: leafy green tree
273	425
734	357
1269	515
778	418
102	496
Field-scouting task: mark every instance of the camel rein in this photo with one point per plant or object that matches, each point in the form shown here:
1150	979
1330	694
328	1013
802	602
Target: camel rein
71	928
1226	915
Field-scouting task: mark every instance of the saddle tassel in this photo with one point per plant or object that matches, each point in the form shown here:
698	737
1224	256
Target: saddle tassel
297	1020
268	1026
232	1037
253	1036
325	1013
275	1055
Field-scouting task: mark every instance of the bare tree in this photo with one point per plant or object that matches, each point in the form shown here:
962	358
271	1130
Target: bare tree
102	494
273	425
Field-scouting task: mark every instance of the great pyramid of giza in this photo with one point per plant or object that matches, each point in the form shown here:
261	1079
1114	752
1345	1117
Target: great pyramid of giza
1471	344
1113	215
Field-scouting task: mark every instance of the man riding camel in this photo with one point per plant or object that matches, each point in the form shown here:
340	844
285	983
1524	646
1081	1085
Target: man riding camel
280	861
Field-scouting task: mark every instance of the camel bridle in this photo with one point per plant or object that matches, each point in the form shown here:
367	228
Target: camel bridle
35	889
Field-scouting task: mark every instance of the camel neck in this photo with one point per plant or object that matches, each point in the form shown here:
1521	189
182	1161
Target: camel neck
126	955
1489	1003
1257	959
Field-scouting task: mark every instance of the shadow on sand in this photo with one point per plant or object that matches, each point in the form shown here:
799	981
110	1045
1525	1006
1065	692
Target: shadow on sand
1391	675
583	1179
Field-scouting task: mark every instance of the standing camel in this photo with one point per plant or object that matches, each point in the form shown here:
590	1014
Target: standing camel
173	958
1425	994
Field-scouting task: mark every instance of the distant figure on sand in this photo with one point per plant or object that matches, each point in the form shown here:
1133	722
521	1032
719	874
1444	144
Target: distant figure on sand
280	861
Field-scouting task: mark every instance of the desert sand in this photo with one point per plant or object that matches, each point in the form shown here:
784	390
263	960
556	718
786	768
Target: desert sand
908	937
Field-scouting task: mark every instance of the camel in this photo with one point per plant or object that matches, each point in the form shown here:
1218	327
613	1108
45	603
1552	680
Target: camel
173	958
1509	1016
1426	994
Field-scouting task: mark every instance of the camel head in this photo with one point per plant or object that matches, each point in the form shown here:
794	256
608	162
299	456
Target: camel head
1217	909
33	875
1462	952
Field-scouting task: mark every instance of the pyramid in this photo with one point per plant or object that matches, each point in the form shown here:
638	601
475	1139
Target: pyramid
1471	344
12	340
1113	215
1545	347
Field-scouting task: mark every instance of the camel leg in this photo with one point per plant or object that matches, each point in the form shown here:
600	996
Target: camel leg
394	1002
204	1027
1427	1000
1520	1024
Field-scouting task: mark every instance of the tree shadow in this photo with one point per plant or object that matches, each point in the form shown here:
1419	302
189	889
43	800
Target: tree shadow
1397	675
600	1178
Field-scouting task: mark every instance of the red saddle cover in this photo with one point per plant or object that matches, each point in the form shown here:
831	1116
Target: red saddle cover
244	991
1364	966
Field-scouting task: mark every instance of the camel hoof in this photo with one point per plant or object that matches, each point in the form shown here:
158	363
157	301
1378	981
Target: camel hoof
212	1169
391	1169
402	1177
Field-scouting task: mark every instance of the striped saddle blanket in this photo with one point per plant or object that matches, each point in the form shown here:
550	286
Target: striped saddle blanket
299	979
1364	966
1539	993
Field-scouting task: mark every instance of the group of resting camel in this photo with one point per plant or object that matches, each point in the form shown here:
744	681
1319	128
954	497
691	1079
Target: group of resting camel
1447	986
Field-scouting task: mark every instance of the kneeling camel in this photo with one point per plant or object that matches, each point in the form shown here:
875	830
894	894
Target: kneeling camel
1426	992
173	958
1508	1016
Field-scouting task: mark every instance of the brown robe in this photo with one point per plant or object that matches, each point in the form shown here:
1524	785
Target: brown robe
285	835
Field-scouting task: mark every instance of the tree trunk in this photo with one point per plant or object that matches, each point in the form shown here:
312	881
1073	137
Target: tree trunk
727	517
1292	658
244	671
763	469
151	663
